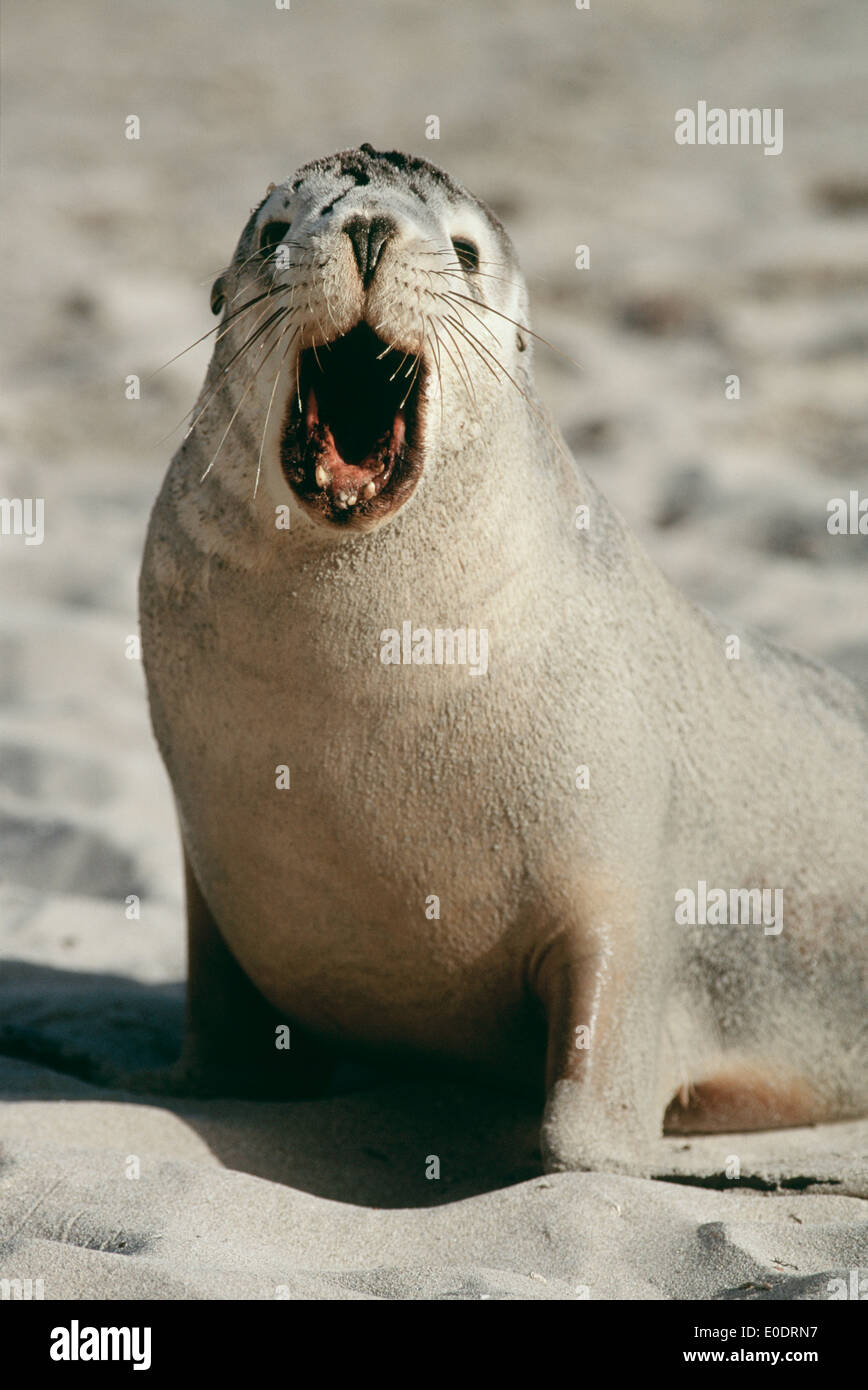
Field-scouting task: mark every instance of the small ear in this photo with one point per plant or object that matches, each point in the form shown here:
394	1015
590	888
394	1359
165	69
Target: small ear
218	295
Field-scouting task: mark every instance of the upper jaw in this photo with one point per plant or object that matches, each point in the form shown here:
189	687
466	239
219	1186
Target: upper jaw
351	442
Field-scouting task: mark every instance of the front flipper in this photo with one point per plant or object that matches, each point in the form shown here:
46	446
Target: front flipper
230	1034
603	1094
746	1095
231	1031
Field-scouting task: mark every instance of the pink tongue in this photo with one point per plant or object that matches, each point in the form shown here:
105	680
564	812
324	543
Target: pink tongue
311	414
350	475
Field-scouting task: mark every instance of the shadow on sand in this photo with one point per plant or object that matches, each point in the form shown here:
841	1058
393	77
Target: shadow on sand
367	1140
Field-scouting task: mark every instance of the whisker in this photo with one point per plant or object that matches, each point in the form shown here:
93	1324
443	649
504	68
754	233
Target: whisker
271	401
215	275
269	263
470	392
224	324
415	373
224	373
442	251
480	347
460	272
239	405
523	326
477	346
435	344
502	265
490	331
400	365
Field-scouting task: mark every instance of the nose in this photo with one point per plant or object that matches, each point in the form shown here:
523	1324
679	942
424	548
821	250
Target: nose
368	236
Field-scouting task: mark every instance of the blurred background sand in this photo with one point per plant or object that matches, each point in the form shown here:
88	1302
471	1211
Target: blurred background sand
703	262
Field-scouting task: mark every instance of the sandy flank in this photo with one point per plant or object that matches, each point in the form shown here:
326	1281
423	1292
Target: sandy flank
702	263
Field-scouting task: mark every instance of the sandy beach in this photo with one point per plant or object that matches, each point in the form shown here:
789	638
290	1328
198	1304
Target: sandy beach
703	262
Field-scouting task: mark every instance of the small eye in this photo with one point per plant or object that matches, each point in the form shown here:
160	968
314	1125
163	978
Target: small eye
467	253
272	234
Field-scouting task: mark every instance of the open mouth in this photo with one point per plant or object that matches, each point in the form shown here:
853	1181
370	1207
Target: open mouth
350	445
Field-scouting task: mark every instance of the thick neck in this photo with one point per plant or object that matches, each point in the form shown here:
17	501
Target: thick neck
486	499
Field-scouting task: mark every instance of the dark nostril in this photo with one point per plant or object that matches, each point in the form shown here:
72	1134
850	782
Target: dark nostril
368	236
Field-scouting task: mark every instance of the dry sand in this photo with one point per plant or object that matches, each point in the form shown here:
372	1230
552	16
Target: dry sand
703	262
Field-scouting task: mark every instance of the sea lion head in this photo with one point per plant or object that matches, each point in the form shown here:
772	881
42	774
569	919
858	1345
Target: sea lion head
380	313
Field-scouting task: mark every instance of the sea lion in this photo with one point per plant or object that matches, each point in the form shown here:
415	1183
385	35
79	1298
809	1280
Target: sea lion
378	647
